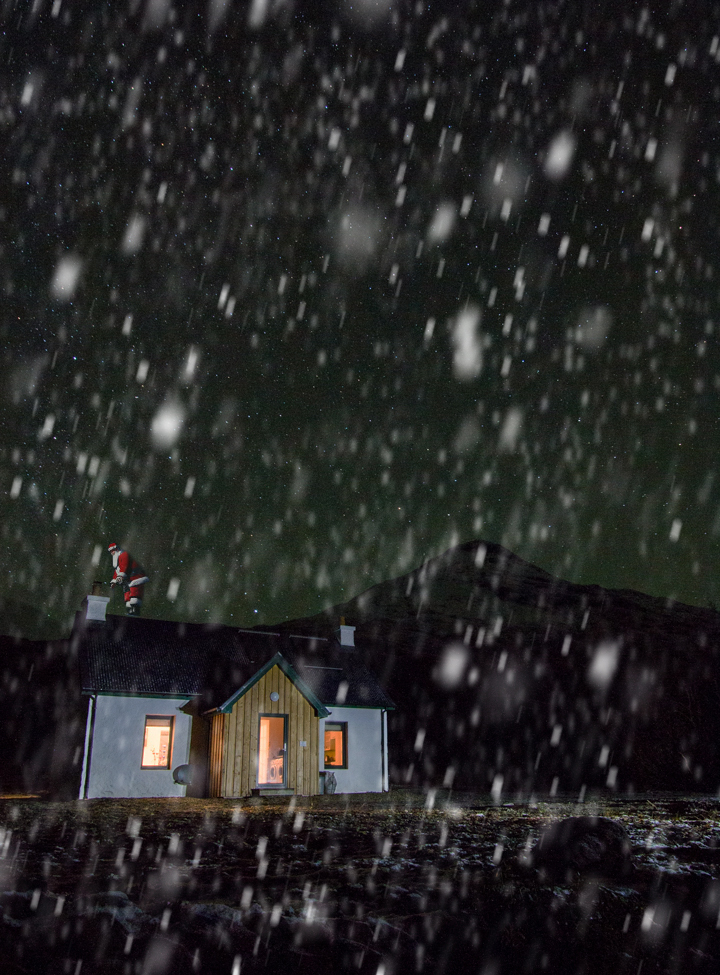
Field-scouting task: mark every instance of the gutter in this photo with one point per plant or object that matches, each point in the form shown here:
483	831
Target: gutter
383	715
89	734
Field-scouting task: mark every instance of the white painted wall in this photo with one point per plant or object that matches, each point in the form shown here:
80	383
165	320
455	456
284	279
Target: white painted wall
118	743
365	766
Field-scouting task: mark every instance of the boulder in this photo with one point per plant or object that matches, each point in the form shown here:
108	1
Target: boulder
581	845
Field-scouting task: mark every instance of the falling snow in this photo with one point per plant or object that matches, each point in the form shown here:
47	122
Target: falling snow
407	312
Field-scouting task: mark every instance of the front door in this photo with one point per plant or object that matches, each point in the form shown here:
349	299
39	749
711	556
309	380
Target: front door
272	750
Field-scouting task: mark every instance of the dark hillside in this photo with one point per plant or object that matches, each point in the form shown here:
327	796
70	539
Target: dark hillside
21	618
42	724
504	674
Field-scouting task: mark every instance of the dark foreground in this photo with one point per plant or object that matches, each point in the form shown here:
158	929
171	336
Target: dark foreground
365	884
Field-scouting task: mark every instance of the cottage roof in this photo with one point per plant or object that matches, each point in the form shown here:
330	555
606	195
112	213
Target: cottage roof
339	677
141	656
133	655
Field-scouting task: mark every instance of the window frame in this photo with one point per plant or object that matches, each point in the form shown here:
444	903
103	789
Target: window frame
341	726
286	749
171	725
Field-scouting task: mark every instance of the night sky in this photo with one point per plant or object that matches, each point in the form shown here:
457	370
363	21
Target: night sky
297	295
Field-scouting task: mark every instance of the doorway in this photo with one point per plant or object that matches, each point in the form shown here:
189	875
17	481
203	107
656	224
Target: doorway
272	750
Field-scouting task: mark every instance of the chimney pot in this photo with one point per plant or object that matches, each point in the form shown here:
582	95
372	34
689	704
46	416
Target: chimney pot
347	634
96	608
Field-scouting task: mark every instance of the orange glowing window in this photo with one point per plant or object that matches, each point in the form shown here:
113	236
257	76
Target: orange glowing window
335	745
158	742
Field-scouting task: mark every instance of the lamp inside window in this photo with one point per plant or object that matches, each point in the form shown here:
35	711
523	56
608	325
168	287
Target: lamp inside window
335	747
157	744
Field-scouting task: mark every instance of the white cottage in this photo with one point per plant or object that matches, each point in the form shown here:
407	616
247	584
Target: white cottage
185	709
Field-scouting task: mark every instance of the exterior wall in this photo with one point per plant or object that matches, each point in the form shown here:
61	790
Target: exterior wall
364	749
199	745
240	737
117	746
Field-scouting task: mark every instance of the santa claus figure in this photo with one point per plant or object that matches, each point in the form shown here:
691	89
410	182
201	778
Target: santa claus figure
130	575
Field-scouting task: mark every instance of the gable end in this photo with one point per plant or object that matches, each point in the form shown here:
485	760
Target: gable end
291	674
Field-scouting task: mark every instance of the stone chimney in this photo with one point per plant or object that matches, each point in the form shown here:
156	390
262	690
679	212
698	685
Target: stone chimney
96	604
346	634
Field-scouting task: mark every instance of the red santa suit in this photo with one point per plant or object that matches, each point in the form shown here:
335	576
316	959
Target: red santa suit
130	575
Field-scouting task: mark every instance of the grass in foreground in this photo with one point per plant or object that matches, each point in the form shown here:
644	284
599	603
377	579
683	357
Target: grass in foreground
398	883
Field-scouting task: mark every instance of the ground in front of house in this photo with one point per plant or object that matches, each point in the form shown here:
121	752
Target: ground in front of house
405	882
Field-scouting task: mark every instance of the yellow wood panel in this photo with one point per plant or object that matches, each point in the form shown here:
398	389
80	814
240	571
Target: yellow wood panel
225	752
239	747
219	733
248	743
272	685
211	765
304	726
292	743
307	757
299	735
251	720
313	745
310	720
235	749
316	756
283	686
222	723
211	760
245	746
231	722
300	731
238	750
267	704
253	753
240	738
301	751
216	754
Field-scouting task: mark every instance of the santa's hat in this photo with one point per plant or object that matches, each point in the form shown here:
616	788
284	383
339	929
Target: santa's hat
112	547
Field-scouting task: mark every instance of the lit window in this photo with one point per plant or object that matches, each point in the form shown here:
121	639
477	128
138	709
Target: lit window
157	743
335	745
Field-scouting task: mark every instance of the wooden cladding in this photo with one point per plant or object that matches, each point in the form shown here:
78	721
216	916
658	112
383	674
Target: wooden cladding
238	736
217	734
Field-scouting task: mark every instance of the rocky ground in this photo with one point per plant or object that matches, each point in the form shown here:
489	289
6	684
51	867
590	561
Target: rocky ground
409	882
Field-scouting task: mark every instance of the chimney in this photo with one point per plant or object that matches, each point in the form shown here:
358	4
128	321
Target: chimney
346	634
96	604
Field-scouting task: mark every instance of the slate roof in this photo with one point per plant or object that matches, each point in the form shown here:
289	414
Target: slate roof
338	677
128	655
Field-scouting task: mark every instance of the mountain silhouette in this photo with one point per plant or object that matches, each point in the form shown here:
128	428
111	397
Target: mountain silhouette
21	617
503	673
